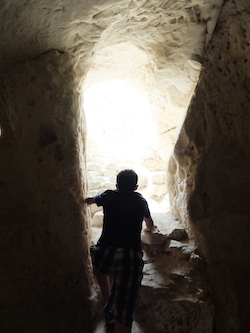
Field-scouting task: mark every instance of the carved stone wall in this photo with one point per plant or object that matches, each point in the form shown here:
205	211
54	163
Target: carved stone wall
44	282
209	169
45	269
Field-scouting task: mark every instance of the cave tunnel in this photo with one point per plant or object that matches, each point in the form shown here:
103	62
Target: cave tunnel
190	60
130	122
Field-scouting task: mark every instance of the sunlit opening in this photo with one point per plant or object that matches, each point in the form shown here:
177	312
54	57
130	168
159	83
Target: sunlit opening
119	120
121	133
134	112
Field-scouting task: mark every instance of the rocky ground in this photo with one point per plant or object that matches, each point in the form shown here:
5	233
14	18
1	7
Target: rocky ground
174	296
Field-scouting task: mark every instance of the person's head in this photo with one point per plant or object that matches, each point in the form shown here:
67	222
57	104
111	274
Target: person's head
127	180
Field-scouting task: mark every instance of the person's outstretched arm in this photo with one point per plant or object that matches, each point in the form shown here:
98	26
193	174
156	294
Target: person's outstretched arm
89	200
149	224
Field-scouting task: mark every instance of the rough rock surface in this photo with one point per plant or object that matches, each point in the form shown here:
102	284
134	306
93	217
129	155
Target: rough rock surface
175	295
209	170
102	171
43	238
48	50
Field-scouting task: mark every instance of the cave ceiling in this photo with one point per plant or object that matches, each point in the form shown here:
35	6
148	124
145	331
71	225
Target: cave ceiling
80	28
151	40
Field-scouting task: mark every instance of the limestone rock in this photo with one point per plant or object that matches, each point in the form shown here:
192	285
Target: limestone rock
96	233
159	178
94	185
153	238
95	167
178	234
142	182
191	60
97	220
107	173
94	209
154	162
158	192
110	186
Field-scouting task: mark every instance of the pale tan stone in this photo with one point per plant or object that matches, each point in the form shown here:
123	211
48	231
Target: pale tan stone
112	179
92	175
159	191
95	167
94	209
142	182
159	178
94	185
108	173
184	56
97	219
111	166
154	162
110	186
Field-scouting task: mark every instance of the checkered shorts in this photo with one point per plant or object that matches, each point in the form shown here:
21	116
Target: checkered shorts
125	266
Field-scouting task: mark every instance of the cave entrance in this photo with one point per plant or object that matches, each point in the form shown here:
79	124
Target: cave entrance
122	133
128	132
133	113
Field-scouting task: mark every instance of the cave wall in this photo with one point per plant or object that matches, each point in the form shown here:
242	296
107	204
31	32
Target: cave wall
44	243
209	169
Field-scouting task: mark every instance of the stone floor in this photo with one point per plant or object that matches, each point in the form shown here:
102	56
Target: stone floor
174	296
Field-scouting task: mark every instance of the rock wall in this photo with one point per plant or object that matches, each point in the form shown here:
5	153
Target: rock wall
102	171
209	169
44	232
45	280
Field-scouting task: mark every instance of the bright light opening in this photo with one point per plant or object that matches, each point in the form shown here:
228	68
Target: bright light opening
119	120
121	133
133	120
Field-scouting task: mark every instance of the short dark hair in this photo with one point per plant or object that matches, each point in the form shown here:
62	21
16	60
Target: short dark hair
127	180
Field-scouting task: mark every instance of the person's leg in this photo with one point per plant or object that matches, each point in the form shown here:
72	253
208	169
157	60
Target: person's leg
103	267
104	283
120	328
127	282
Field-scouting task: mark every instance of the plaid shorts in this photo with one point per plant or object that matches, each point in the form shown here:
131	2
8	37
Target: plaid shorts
125	266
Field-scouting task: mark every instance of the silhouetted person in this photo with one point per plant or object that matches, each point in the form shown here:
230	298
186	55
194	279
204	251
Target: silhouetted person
118	250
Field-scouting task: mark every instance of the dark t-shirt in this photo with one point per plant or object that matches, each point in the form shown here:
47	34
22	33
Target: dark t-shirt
123	216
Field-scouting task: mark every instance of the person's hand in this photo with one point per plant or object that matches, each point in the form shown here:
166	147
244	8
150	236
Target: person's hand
89	200
154	229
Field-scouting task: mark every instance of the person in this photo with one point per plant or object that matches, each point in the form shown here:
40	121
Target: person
118	253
